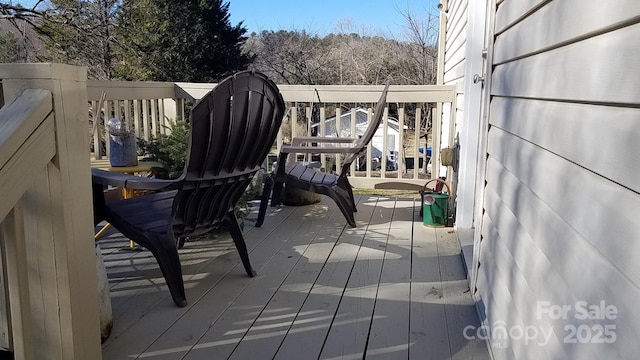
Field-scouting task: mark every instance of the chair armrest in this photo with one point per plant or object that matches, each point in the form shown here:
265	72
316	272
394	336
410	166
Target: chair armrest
317	139
128	181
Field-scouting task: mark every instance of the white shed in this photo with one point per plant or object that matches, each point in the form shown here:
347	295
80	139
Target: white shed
393	144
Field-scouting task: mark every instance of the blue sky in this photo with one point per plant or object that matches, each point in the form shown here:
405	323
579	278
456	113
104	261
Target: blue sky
380	17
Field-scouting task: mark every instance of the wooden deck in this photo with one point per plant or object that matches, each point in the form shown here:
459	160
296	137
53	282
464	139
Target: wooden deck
388	289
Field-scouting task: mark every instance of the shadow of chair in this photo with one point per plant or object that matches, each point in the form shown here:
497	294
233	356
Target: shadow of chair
292	174
232	129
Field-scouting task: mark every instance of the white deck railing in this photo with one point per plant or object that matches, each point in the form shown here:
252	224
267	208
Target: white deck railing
146	106
49	303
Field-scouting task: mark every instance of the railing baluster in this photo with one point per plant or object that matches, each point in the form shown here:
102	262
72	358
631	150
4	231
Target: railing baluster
309	113
385	145
127	114
107	116
145	119
97	131
164	128
353	135
136	117
323	133
400	156
369	157
338	126
294	123
154	118
416	145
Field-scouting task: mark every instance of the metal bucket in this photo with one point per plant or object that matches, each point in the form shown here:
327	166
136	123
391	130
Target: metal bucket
123	150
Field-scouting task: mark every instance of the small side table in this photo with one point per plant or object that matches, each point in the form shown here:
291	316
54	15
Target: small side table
144	168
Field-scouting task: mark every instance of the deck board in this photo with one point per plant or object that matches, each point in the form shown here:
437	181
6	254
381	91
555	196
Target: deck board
459	307
318	313
388	289
348	337
428	327
267	333
221	339
389	334
213	281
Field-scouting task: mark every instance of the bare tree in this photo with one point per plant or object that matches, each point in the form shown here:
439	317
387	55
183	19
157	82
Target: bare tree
294	57
73	31
420	53
16	26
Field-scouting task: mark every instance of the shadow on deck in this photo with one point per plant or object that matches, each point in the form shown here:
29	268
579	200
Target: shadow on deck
388	289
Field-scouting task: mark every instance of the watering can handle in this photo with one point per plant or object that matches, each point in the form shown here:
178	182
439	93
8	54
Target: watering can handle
424	188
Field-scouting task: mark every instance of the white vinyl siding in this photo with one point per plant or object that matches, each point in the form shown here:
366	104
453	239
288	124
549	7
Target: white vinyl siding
562	195
455	44
456	38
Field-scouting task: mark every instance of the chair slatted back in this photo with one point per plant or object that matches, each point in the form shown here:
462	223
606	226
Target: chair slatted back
232	130
371	130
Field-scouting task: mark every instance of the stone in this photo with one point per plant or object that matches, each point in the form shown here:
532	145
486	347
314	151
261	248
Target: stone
104	297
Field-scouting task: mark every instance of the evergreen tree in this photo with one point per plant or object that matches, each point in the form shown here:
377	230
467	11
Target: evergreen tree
189	40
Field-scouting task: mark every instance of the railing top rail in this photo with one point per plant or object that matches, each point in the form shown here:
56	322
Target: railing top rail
366	93
26	136
341	93
130	90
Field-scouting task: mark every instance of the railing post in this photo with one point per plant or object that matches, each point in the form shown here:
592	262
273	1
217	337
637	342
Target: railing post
58	222
400	157
437	136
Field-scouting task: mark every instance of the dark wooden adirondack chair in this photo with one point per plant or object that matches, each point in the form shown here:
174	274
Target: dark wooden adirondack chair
232	129
290	173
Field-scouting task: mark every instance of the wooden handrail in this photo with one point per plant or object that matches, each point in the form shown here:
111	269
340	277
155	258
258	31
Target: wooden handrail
27	143
47	256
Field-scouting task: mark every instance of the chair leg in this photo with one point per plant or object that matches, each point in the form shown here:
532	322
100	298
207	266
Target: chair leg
277	192
343	183
266	192
98	203
344	204
238	240
353	201
166	254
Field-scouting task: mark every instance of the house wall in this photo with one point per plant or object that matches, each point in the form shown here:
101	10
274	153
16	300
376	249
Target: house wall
560	226
464	41
455	28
